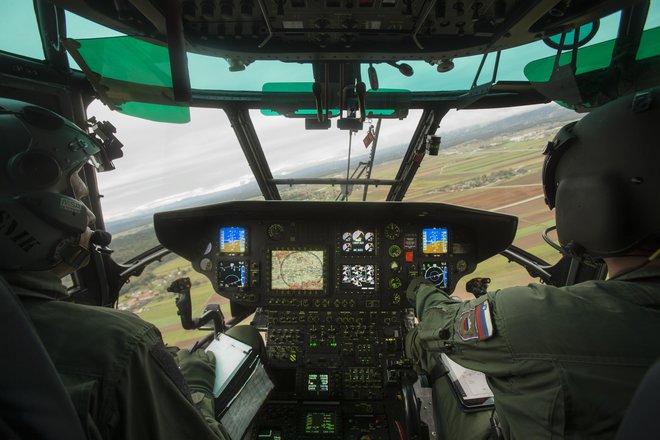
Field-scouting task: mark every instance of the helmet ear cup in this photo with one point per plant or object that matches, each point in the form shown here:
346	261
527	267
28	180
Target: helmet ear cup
604	210
34	170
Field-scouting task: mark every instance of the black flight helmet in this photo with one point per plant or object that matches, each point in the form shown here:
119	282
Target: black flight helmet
602	174
40	218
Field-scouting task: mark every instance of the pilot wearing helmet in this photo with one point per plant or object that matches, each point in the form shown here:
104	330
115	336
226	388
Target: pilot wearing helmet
122	381
565	362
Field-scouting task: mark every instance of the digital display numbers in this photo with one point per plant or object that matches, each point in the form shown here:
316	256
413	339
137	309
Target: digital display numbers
435	241
232	240
358	277
358	242
232	274
436	273
318	384
295	270
320	422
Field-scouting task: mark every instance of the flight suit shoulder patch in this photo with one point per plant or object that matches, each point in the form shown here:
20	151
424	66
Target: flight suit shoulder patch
475	323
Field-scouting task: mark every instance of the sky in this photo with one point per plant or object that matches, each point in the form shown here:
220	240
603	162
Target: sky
164	163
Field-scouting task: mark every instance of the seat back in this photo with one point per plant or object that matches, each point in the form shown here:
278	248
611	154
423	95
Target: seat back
641	419
33	401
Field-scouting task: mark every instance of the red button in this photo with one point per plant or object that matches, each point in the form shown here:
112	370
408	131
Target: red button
409	256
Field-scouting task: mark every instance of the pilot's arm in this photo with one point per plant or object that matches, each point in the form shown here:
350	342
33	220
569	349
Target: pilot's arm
470	332
155	401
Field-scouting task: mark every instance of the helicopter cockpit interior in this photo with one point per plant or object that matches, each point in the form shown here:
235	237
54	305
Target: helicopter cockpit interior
325	281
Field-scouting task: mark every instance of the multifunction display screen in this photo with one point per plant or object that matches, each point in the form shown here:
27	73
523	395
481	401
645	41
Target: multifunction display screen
232	274
318	384
320	422
297	270
358	242
232	240
358	277
435	240
436	273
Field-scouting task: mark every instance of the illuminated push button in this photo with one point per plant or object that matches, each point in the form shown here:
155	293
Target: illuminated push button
409	256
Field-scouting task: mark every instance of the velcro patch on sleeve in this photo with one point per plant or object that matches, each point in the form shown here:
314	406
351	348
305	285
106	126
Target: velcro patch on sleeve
475	323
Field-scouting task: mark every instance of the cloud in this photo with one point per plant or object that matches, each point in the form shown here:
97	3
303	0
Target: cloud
165	162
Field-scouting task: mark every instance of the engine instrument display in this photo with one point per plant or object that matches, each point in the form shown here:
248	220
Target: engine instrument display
232	240
435	241
436	273
318	384
358	277
297	270
320	422
232	274
358	242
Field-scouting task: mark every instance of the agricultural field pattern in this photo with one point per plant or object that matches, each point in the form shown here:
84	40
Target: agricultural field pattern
498	174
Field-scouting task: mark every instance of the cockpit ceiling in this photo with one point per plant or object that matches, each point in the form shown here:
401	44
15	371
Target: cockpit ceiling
368	30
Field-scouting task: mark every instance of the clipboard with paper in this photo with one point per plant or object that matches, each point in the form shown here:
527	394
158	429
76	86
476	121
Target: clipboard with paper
470	386
241	384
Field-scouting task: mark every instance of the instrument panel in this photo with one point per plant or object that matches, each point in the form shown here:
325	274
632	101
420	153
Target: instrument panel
304	263
331	279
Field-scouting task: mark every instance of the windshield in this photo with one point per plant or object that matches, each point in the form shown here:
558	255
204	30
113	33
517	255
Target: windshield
488	159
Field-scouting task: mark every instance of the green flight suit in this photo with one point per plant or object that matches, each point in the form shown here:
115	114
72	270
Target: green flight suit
123	383
561	362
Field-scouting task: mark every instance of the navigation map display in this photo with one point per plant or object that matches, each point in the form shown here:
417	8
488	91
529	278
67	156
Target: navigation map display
297	270
358	277
232	240
435	240
436	273
358	242
232	274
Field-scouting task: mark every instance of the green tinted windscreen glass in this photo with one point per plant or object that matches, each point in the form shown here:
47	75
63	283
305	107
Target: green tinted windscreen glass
120	61
591	58
584	33
307	87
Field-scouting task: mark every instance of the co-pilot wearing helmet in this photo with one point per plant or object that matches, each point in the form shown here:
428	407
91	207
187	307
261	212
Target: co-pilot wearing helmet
565	362
121	379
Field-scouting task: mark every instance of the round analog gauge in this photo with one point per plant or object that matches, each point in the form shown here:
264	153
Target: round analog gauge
396	298
392	231
395	282
358	235
206	264
394	250
394	267
276	231
461	265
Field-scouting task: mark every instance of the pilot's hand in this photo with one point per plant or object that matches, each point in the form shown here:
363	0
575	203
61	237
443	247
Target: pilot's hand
413	288
199	370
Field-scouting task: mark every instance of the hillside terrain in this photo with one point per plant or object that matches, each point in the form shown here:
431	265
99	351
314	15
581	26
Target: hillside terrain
498	171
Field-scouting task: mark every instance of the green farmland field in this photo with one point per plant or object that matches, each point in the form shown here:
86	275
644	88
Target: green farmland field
500	175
